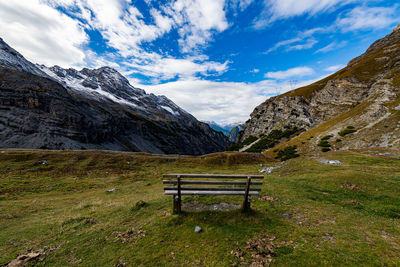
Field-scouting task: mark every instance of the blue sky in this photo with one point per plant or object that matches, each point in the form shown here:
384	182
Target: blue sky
217	59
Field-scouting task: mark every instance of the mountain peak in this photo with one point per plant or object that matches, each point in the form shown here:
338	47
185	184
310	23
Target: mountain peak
397	28
10	58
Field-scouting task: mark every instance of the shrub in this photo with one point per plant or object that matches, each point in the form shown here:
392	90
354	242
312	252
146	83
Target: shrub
275	134
290	131
327	137
348	130
338	140
234	147
326	149
239	145
249	140
287	153
324	143
261	145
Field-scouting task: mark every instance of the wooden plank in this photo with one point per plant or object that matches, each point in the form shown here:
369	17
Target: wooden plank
211	188
214	176
211	182
230	193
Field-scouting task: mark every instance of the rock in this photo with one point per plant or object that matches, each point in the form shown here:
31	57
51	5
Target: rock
22	260
42	162
269	170
111	190
198	229
330	161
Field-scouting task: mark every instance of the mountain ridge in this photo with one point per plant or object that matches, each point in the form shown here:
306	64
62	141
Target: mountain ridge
56	108
364	95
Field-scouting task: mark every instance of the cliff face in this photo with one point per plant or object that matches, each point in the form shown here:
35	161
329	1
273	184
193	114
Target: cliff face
55	108
365	95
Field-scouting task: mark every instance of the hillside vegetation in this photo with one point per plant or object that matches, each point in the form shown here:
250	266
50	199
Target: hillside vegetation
309	214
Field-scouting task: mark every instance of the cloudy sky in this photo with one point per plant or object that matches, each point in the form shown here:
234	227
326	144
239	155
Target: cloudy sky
217	59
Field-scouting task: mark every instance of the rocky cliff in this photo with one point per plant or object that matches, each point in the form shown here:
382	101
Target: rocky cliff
56	108
364	95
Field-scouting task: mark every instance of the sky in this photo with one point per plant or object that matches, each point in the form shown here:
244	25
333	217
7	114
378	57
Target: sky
217	59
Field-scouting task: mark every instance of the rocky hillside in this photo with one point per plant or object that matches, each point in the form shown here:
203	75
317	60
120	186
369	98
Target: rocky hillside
56	108
358	106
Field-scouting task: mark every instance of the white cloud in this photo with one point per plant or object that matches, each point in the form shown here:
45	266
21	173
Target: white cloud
283	9
303	40
283	43
240	5
302	46
124	28
361	18
290	73
167	67
223	102
332	46
41	33
334	68
196	21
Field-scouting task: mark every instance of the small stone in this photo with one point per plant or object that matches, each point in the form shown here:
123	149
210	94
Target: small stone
147	165
42	162
197	229
268	170
111	190
330	162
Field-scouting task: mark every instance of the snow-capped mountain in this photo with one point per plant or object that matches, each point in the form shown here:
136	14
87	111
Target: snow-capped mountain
56	108
106	83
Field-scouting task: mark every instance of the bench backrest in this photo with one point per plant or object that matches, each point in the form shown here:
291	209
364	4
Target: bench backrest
218	186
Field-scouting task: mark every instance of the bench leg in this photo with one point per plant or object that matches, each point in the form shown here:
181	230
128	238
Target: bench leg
246	205
177	204
246	201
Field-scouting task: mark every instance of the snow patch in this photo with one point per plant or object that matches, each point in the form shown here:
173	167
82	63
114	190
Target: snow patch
170	110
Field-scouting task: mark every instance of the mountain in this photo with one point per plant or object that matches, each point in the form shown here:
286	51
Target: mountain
356	107
56	108
225	129
234	132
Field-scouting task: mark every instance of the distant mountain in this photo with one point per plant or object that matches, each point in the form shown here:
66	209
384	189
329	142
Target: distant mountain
356	107
234	132
56	108
225	129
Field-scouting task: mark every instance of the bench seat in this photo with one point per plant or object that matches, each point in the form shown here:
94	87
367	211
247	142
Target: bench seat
202	192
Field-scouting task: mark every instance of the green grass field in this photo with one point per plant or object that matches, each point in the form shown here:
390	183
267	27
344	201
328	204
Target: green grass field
314	214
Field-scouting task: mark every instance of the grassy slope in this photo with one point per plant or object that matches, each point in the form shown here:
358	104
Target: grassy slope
365	70
65	204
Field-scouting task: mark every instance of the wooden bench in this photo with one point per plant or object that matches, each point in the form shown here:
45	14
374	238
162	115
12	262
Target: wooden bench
218	186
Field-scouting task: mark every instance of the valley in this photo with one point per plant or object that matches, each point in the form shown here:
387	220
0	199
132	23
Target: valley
309	213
